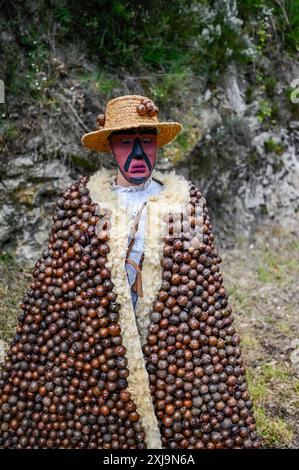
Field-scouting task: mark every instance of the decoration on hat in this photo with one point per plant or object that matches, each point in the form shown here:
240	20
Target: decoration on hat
147	107
100	120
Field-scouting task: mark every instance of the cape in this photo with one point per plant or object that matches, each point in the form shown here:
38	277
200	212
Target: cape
85	371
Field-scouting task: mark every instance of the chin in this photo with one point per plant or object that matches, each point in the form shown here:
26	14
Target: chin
138	178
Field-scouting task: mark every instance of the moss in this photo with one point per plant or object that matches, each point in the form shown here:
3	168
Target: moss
79	161
277	164
264	275
25	195
100	81
250	93
269	371
6	258
106	85
253	159
257	386
270	85
263	209
11	131
250	342
272	145
284	328
273	430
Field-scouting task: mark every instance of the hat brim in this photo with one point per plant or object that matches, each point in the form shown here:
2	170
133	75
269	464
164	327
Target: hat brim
97	140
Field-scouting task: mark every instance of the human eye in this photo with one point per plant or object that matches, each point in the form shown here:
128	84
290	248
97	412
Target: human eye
126	141
147	140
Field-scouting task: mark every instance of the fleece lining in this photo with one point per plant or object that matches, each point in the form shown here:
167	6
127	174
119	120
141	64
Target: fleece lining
172	199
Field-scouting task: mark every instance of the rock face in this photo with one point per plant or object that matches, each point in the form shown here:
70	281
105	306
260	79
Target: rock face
258	185
245	163
247	167
28	193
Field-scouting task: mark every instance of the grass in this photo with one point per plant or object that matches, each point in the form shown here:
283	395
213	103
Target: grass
268	386
240	298
249	342
100	82
14	282
261	280
274	431
284	328
276	266
256	386
271	372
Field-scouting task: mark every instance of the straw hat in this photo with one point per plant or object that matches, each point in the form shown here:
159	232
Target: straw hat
126	112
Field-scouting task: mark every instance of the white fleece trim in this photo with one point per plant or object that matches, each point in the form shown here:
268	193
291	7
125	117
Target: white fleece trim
134	330
174	195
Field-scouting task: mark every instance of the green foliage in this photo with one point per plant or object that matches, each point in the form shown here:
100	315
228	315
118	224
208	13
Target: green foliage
265	110
274	24
32	78
270	85
105	84
273	146
63	15
170	84
174	38
6	257
36	79
130	34
249	93
11	131
101	82
182	140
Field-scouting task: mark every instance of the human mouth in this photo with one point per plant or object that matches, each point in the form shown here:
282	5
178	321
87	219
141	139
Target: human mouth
138	167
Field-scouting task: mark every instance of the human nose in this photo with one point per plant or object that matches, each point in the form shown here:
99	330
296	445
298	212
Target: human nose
137	149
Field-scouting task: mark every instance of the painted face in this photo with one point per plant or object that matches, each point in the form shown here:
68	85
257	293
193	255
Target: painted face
135	151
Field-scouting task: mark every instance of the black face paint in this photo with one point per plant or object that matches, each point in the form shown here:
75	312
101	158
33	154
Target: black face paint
139	154
136	153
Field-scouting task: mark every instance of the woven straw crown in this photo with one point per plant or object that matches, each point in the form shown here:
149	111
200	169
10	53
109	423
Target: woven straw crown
126	112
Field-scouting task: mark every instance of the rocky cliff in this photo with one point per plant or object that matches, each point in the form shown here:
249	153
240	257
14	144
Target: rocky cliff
239	145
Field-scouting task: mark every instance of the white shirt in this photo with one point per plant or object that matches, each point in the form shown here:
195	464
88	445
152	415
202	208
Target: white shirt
133	197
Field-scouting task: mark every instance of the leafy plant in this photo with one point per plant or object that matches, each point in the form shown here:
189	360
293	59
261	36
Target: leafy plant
265	110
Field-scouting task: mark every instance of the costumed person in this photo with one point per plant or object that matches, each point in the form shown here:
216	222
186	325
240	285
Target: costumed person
126	337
